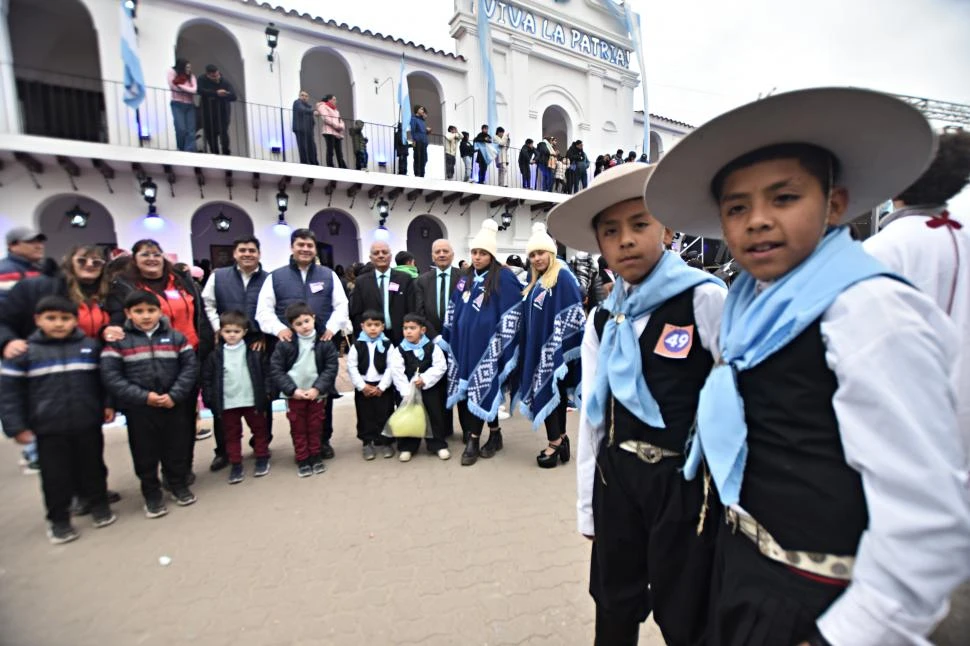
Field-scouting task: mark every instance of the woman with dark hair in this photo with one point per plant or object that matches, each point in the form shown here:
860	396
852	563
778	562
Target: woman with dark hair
183	85
180	298
80	279
333	129
481	335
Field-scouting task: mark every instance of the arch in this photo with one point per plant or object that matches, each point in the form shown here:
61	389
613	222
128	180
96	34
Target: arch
422	232
208	243
342	248
51	218
57	69
558	95
202	42
656	146
555	122
426	90
324	70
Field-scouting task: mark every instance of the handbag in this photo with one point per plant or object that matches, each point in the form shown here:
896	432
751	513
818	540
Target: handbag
410	419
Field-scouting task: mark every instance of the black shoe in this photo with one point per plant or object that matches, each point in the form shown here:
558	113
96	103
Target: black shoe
564	451
550	460
80	507
113	497
472	451
190	479
218	463
326	451
60	533
184	497
317	465
103	516
155	508
236	474
493	445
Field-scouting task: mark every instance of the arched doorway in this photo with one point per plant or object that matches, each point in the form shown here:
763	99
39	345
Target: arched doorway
425	90
54	220
338	239
57	70
323	71
555	122
656	147
212	243
422	232
202	43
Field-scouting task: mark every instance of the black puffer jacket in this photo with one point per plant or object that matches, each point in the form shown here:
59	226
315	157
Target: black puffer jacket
285	355
213	379
164	363
54	388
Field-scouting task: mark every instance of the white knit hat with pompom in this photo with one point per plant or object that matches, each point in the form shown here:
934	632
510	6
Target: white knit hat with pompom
540	240
487	238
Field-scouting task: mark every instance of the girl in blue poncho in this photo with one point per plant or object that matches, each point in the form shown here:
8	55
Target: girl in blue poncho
481	334
552	332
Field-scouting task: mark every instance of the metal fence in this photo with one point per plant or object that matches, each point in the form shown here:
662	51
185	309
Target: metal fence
85	109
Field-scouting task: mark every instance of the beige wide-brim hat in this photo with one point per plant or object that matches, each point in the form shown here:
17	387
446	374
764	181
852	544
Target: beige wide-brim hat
883	145
571	222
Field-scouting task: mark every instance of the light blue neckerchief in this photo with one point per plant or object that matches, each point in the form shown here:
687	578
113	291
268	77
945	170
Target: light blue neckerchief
620	366
416	348
755	326
478	278
379	340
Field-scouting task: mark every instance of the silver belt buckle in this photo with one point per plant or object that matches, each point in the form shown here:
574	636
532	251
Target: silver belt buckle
649	453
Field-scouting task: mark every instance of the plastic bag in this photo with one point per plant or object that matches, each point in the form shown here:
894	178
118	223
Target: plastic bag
410	419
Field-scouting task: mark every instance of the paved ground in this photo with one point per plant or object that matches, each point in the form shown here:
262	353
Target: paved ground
369	553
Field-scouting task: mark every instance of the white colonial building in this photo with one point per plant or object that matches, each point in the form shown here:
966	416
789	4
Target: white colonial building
69	145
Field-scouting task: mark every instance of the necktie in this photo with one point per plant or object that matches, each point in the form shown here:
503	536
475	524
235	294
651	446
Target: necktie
442	293
380	287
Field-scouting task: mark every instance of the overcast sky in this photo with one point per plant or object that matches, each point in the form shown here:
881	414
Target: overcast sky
707	56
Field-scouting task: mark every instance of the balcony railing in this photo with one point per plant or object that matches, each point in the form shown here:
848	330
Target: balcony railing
85	109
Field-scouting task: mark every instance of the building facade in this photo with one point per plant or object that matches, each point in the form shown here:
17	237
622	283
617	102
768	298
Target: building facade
69	144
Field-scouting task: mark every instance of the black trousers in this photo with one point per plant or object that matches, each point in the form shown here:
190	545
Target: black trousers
482	168
556	422
326	433
334	144
420	158
526	176
159	436
758	602
647	555
450	161
470	423
402	164
305	142
216	131
434	403
372	414
72	464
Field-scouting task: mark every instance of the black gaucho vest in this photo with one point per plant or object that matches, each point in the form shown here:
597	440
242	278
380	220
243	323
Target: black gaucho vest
412	364
363	358
796	480
674	383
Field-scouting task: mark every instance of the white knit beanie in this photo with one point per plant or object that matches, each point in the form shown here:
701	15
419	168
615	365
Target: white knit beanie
540	240
487	238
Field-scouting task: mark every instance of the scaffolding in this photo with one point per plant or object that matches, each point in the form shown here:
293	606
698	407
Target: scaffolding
954	114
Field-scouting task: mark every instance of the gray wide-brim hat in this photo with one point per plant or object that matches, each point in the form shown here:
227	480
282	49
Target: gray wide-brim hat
882	144
571	222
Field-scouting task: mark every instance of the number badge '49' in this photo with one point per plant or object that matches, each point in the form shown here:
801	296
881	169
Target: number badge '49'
675	341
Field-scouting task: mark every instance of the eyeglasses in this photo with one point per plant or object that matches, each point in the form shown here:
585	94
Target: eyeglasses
149	255
90	262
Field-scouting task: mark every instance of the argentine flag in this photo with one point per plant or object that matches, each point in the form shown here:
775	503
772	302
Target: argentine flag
485	51
134	80
404	104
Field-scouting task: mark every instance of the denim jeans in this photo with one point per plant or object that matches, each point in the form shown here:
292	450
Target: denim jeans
183	115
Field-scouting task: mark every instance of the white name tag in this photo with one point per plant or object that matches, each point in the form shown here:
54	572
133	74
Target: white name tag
316	287
393	287
172	294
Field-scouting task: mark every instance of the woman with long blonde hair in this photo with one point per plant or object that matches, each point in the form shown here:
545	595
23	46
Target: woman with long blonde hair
552	332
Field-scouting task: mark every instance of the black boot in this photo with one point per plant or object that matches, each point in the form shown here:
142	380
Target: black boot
564	451
470	455
493	445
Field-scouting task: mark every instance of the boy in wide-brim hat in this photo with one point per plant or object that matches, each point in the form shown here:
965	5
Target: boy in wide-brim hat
829	425
646	352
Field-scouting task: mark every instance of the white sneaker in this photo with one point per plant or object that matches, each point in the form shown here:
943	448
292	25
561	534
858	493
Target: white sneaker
405	456
444	454
502	415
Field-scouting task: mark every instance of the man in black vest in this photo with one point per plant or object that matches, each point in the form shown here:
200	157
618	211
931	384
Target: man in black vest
317	286
386	290
432	293
237	288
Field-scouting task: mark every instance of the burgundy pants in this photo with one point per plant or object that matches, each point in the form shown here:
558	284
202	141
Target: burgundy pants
232	427
306	420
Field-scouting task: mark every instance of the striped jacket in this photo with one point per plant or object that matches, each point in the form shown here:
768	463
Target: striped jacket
53	388
162	363
14	269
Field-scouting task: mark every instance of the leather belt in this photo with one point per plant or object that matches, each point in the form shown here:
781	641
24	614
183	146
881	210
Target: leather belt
647	452
831	566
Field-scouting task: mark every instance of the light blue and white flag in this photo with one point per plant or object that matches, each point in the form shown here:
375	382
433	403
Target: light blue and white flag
134	80
485	50
404	103
631	21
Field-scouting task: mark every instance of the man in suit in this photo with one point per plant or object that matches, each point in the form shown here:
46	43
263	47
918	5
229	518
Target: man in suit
432	293
385	290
